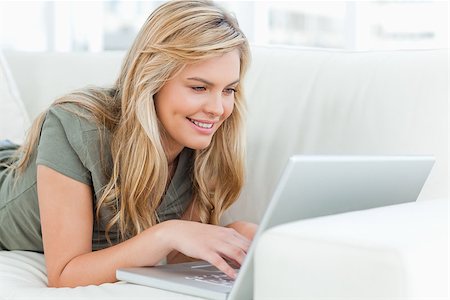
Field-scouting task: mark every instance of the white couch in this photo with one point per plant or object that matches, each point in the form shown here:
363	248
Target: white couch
300	101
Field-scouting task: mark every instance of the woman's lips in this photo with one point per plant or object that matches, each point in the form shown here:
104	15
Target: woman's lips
202	124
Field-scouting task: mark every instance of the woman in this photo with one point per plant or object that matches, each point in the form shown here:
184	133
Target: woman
140	172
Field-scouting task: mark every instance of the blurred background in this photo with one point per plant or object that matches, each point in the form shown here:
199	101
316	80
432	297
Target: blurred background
68	26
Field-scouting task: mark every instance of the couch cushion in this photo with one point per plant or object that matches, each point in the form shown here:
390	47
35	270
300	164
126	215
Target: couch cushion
13	117
398	251
23	276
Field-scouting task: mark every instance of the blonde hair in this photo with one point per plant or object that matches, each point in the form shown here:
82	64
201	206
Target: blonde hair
175	34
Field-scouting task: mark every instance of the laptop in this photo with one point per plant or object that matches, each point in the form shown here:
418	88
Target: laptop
309	187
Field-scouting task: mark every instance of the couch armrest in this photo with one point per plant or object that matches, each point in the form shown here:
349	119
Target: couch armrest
395	251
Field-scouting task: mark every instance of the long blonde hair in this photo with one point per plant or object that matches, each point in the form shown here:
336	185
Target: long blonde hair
175	34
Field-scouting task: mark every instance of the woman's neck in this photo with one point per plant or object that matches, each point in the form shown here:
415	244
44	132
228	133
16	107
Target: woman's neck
172	167
172	151
172	157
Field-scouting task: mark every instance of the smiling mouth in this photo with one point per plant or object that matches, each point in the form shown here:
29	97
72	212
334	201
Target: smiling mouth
201	124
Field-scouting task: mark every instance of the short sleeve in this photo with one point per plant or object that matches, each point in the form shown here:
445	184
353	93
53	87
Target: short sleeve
61	137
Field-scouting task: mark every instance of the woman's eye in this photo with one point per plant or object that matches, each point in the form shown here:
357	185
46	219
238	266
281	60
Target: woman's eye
229	91
199	88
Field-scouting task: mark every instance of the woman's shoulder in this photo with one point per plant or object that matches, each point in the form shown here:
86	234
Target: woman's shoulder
73	115
78	125
72	127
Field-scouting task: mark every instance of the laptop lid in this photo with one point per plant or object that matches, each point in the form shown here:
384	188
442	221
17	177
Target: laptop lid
315	186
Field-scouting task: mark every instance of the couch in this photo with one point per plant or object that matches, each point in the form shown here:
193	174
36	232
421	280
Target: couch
300	101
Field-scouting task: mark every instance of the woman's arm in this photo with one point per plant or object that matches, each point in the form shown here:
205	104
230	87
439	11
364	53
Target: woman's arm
66	210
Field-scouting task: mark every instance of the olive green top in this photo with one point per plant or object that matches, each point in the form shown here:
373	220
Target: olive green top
73	146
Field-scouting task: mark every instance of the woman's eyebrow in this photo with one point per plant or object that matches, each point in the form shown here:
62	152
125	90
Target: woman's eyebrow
209	83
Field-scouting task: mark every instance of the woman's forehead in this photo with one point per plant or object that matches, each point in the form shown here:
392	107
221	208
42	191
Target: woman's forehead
226	66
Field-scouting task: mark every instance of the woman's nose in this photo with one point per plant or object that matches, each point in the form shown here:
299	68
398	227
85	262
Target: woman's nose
214	106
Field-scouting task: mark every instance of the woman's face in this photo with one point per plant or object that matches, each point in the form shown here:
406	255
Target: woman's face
193	104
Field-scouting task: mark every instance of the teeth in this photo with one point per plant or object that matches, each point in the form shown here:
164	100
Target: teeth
202	125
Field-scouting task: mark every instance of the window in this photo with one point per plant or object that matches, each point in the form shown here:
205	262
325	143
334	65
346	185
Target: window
112	25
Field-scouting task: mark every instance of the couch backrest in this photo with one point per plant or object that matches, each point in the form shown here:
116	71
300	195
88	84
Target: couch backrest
300	101
43	76
338	102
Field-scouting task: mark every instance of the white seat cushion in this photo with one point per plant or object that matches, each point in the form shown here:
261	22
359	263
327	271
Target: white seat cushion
23	276
13	117
391	252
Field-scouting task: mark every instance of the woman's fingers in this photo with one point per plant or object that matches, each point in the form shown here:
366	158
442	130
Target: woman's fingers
234	238
231	251
241	239
220	263
211	243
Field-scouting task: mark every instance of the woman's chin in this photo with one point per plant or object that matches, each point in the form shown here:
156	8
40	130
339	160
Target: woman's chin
200	145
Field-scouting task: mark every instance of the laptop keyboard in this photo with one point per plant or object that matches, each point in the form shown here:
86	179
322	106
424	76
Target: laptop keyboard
218	279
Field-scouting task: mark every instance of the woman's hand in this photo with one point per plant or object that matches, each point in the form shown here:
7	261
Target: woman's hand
175	257
214	244
246	229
